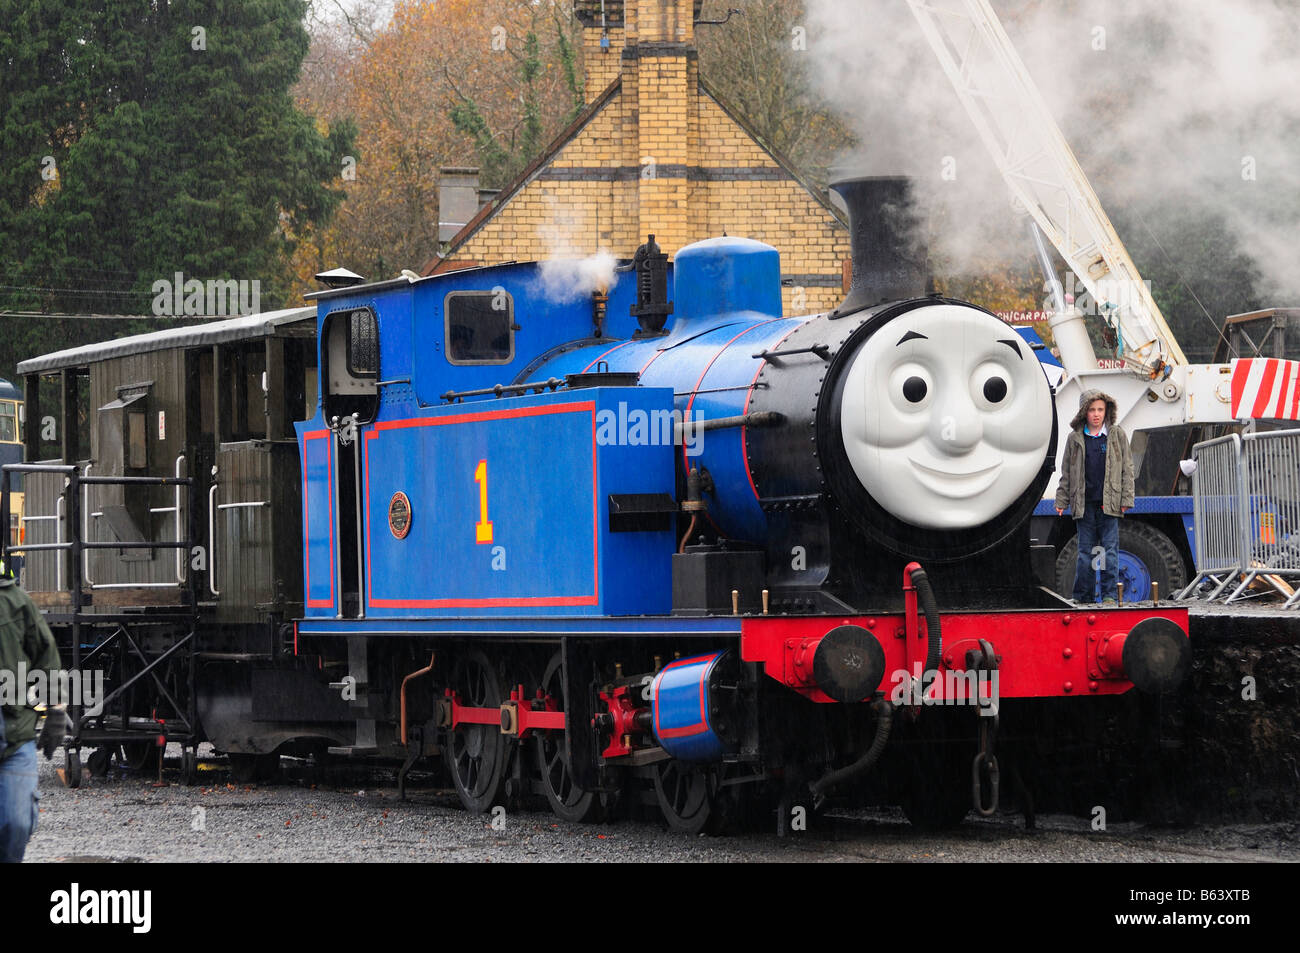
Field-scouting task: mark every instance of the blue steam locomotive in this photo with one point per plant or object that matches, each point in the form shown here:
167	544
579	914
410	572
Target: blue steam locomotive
655	534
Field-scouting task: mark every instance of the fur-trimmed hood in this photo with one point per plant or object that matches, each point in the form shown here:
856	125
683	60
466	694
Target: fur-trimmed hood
1112	410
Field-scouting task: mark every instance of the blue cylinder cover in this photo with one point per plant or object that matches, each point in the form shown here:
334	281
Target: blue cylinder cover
685	722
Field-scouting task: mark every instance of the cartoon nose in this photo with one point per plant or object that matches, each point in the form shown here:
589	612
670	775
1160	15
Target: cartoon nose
957	425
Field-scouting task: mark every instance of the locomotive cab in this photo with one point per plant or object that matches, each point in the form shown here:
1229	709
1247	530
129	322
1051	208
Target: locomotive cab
350	363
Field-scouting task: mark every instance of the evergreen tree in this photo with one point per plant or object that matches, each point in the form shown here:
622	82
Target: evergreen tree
177	146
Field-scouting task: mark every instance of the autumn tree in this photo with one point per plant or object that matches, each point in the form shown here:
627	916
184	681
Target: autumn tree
448	83
526	95
758	62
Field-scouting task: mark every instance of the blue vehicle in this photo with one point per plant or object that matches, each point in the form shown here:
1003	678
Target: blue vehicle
643	511
632	537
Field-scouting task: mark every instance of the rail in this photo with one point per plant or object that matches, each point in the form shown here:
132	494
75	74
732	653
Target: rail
70	504
347	436
361	566
76	496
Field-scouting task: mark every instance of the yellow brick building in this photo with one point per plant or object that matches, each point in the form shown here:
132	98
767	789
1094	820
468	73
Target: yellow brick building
655	151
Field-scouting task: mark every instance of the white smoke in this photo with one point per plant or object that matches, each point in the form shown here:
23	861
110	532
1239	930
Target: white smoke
567	279
1190	103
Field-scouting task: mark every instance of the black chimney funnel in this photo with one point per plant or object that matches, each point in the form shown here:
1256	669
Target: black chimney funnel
889	263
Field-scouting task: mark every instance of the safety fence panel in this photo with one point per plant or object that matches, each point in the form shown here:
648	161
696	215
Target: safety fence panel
1272	475
1246	502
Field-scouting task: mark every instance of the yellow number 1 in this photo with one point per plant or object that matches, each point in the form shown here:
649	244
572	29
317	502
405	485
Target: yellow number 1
483	528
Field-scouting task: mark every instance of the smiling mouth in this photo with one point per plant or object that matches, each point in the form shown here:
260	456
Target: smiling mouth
956	486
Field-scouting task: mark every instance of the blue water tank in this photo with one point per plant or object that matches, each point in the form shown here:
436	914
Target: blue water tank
724	275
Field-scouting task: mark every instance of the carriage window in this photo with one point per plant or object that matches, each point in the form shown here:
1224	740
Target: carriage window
363	345
480	327
8	421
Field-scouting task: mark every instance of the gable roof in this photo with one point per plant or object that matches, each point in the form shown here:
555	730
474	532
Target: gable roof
527	175
785	164
570	131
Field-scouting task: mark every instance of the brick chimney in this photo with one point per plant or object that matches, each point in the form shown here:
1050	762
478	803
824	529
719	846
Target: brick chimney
602	42
650	44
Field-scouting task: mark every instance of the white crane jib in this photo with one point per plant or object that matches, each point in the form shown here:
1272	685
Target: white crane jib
1040	169
1154	386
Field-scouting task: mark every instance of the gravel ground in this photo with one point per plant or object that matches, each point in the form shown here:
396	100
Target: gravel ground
360	818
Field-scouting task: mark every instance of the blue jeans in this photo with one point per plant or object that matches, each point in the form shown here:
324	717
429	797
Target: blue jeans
18	800
1098	550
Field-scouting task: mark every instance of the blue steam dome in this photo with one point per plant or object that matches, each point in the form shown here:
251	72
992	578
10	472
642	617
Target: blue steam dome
721	275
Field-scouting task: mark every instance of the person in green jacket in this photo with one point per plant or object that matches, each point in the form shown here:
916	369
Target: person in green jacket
1097	487
26	645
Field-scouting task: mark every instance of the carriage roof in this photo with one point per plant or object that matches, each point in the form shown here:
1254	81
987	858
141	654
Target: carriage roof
216	332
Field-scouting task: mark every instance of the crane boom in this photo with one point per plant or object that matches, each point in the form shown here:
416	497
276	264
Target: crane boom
1042	172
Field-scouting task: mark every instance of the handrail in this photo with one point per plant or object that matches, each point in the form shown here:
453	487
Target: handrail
85	529
74	477
361	565
180	557
212	537
59	509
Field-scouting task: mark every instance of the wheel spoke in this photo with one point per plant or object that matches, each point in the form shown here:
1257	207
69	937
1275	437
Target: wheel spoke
684	796
568	801
475	754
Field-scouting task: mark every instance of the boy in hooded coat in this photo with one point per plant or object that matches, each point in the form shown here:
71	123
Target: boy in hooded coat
1097	487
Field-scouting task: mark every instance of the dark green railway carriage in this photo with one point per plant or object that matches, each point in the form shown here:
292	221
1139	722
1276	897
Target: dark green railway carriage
207	567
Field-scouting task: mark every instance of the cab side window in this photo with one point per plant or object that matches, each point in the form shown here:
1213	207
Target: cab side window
363	344
350	350
480	327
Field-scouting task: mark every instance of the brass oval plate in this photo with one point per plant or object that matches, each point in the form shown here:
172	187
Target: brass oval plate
399	515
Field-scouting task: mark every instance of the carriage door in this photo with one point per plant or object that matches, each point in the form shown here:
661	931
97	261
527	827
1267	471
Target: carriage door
350	349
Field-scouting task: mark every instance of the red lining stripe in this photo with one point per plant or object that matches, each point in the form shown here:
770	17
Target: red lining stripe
329	470
370	576
702	725
1289	384
595	516
744	449
686	461
607	354
1240	373
503	601
653	357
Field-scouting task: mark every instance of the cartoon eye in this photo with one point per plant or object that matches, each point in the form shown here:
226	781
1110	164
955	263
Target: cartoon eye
991	386
911	387
995	388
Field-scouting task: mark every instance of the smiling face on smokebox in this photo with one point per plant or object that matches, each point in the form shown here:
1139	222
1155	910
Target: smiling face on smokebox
946	416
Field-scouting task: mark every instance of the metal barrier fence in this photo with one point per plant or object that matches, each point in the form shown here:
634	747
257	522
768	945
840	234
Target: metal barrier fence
1246	492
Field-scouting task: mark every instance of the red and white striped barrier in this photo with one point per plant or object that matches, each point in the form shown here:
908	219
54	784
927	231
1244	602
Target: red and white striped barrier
1266	387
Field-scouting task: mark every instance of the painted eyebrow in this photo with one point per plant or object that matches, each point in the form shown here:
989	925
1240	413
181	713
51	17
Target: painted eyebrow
1014	345
911	335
